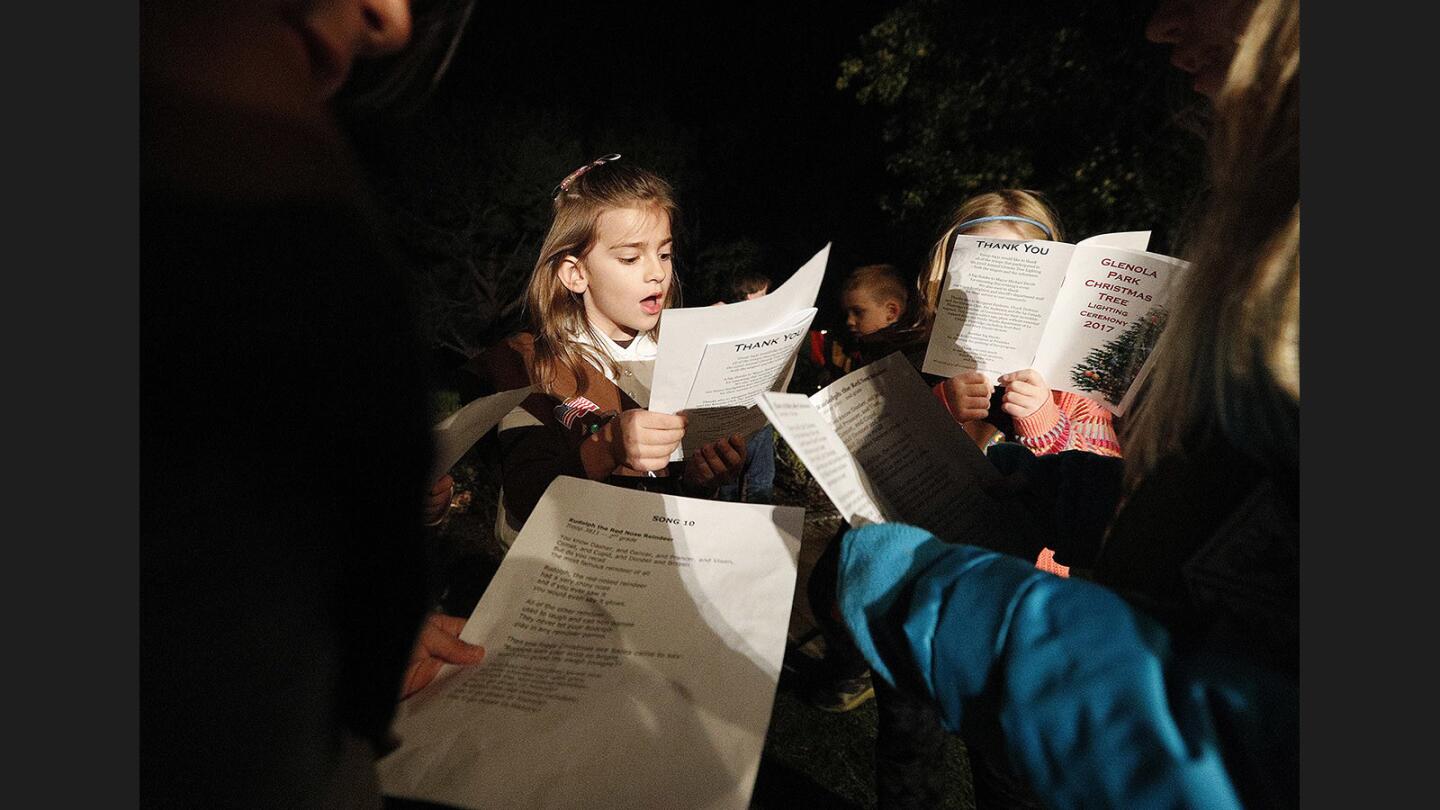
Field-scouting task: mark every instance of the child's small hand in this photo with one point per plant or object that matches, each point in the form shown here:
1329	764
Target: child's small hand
647	438
715	463
437	503
1025	392
969	396
439	644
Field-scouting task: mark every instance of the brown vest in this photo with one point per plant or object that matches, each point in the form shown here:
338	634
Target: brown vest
508	365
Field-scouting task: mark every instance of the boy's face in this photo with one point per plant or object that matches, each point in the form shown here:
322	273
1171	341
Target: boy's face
864	313
625	277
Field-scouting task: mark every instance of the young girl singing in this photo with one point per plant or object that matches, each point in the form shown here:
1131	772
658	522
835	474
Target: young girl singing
604	274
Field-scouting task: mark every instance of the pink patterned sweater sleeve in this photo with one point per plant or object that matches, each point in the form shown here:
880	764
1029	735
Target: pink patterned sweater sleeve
1068	422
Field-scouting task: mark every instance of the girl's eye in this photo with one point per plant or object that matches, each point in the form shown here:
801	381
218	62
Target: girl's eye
665	257
629	259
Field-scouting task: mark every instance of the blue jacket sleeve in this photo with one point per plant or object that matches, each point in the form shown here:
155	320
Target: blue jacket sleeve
1093	709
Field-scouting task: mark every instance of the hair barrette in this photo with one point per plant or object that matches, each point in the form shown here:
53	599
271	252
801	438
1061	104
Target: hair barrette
575	175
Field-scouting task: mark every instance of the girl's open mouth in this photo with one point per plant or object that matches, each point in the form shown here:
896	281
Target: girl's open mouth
652	304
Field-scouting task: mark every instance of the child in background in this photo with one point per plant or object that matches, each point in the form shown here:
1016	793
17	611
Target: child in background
1041	419
744	285
883	315
1180	687
604	274
756	482
1044	420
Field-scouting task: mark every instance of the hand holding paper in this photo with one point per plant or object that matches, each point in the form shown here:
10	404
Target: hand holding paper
714	361
439	644
714	464
1025	392
647	438
969	396
1084	316
437	503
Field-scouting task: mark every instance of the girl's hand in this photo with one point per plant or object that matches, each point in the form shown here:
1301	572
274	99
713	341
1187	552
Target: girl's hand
437	503
439	644
969	396
647	438
1025	392
715	464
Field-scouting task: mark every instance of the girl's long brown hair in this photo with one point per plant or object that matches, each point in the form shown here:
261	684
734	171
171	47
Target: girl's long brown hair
557	315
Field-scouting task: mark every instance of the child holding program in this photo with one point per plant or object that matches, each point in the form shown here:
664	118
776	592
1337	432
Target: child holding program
1044	420
604	274
883	316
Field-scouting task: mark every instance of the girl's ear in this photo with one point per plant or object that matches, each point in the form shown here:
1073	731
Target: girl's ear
572	275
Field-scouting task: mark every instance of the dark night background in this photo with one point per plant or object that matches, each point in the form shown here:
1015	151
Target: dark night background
738	106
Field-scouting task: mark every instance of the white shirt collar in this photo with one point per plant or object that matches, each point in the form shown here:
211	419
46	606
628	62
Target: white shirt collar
642	348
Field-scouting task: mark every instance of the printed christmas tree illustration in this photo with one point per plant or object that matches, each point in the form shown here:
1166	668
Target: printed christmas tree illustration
1109	369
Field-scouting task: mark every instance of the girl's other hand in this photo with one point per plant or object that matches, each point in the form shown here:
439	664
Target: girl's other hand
439	644
647	438
714	464
437	503
1025	392
969	396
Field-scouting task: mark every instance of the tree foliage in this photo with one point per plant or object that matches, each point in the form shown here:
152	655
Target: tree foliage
467	188
1113	366
1069	101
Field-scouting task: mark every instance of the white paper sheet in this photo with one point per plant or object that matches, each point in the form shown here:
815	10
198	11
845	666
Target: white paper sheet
997	299
684	333
822	451
633	646
905	453
458	432
732	374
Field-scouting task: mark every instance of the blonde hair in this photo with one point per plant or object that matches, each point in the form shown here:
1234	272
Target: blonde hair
557	315
1008	202
1229	360
884	282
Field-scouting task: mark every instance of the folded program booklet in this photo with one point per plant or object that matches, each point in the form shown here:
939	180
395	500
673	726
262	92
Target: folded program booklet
1086	316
